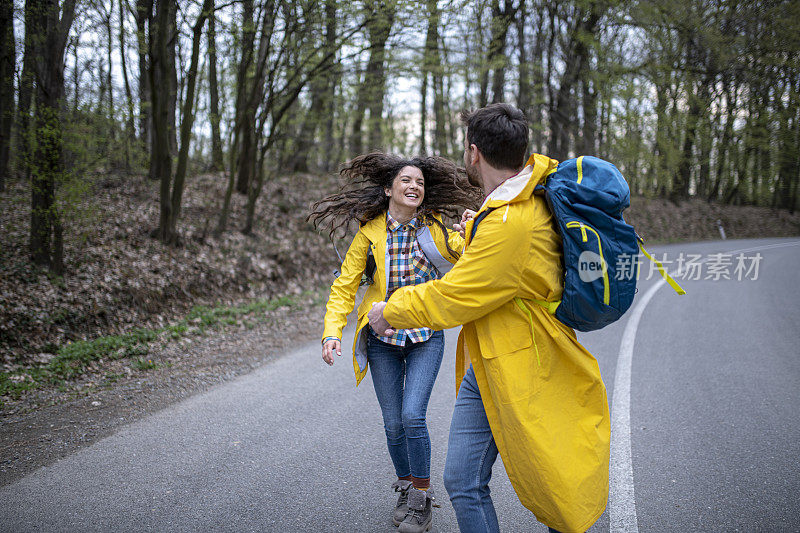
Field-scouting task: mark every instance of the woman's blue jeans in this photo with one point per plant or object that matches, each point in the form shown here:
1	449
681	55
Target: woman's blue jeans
403	377
471	453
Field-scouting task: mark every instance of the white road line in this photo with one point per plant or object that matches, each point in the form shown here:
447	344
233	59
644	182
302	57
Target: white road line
622	501
622	504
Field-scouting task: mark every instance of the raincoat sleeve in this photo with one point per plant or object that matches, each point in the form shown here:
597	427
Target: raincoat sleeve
456	241
484	278
343	291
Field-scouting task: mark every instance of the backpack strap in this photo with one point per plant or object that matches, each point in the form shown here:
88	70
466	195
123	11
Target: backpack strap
477	221
431	251
672	283
336	272
369	270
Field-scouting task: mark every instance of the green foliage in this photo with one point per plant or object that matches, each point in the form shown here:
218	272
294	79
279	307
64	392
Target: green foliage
76	358
141	364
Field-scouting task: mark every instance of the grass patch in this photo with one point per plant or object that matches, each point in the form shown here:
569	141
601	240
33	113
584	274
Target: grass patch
210	317
75	358
141	364
113	377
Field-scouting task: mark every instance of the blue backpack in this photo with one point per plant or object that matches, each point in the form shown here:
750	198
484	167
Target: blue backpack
600	250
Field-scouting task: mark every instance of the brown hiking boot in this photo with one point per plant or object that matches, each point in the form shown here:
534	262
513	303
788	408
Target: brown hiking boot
419	517
401	509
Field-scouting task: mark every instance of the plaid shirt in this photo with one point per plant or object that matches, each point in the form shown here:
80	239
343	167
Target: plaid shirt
407	266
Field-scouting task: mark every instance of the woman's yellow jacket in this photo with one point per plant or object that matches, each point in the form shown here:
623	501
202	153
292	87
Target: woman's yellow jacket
371	237
542	391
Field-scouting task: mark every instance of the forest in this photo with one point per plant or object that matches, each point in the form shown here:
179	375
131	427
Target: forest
695	98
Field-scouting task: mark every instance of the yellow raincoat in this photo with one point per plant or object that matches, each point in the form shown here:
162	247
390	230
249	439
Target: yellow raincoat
542	391
371	236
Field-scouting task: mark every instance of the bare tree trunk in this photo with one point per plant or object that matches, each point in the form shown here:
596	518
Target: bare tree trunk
524	84
373	88
313	119
216	140
357	135
330	89
143	15
186	125
130	132
26	91
680	186
247	100
589	101
431	47
765	155
724	143
258	182
496	57
660	169
8	55
109	79
537	102
564	113
548	72
245	117
703	138
434	56
172	101
46	241
423	111
439	114
76	74
788	159
160	33
482	66
376	74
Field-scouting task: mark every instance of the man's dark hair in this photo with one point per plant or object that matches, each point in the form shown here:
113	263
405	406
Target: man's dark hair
500	131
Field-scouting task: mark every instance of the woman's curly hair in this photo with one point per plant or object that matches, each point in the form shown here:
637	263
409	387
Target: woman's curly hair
362	197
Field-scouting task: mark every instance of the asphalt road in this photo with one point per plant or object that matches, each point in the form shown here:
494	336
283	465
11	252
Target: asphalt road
706	429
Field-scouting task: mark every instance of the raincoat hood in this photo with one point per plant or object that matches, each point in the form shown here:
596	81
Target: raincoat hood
521	186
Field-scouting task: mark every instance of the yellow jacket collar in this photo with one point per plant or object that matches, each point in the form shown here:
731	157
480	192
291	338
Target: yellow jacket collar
520	186
375	227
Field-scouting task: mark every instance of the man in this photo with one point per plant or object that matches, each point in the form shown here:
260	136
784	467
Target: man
526	388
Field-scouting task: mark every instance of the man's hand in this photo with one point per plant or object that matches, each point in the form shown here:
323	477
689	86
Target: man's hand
460	227
376	321
330	346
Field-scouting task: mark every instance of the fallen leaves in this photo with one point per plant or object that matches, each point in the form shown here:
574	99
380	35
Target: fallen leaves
119	278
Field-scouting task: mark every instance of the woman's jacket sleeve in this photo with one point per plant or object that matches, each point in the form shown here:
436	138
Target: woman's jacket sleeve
456	242
343	291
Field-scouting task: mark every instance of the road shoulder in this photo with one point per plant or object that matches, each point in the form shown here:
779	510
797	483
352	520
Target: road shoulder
52	424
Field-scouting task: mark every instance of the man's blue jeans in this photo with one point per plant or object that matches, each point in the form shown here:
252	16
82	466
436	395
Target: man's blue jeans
403	377
471	453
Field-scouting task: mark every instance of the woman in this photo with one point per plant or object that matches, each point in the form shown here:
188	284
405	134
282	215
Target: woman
399	204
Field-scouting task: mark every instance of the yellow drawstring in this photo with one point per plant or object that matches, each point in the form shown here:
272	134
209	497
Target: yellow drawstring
530	319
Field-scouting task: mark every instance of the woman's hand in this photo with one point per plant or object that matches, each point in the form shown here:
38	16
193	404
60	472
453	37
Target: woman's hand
468	215
330	346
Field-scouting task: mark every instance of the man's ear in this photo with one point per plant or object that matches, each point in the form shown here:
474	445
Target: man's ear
474	154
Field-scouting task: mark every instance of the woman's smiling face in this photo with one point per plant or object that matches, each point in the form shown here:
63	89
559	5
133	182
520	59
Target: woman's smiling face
407	190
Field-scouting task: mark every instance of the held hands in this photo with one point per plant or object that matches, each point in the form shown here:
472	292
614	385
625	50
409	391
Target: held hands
376	321
460	227
330	346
